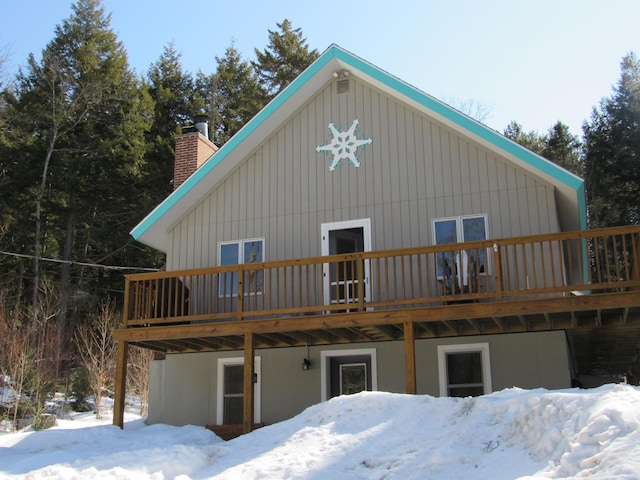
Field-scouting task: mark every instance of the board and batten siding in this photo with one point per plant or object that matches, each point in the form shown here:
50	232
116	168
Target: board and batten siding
184	386
416	169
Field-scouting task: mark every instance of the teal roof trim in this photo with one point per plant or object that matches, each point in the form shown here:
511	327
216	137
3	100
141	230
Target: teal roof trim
228	147
582	206
474	127
392	82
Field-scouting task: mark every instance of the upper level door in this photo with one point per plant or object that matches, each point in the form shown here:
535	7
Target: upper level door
341	279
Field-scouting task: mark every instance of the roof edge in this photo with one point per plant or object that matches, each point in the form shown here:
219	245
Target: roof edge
445	111
139	230
480	130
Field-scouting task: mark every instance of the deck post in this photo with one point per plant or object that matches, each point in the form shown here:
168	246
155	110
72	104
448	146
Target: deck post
635	253
121	384
247	405
497	270
361	280
410	357
240	297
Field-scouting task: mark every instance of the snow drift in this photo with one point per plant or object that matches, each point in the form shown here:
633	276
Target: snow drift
372	435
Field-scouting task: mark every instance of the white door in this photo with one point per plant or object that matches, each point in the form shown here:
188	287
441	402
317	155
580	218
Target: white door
341	280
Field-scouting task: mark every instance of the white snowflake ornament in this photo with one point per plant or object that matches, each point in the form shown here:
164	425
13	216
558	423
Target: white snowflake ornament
343	145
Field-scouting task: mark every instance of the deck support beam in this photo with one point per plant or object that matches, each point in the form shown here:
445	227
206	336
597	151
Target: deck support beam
121	384
410	357
248	379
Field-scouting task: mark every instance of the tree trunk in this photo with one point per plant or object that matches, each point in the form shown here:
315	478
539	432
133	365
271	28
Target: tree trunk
65	284
17	306
36	243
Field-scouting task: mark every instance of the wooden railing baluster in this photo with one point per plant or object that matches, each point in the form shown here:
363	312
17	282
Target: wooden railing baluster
600	260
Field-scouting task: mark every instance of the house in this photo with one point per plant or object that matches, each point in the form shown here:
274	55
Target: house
359	234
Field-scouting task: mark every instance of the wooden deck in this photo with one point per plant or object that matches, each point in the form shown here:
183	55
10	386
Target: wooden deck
569	281
557	281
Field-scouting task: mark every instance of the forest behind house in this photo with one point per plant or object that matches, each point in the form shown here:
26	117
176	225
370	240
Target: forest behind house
86	151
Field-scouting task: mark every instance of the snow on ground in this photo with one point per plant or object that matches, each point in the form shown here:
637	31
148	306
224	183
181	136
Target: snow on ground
526	434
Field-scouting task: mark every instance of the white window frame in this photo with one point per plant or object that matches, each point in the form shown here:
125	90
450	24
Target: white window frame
325	357
240	243
325	230
222	362
459	219
483	348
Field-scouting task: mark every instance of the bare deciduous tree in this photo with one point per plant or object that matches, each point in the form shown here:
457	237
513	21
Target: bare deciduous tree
15	362
27	367
138	375
98	350
474	109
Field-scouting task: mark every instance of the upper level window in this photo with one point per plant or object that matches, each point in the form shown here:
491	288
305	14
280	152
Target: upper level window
466	228
235	253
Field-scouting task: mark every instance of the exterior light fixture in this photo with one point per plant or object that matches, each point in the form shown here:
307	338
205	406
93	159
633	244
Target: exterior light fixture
306	363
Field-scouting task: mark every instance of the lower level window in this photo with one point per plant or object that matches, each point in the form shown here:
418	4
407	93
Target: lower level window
464	370
230	394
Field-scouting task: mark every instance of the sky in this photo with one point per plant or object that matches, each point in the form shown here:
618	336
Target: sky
507	435
531	61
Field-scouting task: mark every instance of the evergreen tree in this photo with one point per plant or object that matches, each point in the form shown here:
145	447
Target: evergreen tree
85	116
15	182
612	152
531	140
286	56
563	148
237	95
174	94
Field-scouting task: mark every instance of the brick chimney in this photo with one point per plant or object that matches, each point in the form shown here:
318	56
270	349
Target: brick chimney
192	149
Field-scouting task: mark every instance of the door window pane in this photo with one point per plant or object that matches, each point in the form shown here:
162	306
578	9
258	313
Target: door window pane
343	275
233	394
233	410
461	229
475	228
233	379
349	374
353	378
446	231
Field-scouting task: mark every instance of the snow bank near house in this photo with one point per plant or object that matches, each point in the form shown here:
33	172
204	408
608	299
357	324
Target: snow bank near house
506	435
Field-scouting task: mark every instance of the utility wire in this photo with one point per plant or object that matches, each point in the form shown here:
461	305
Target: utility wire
71	262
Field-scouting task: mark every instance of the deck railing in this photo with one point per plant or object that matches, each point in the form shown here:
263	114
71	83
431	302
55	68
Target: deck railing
591	261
